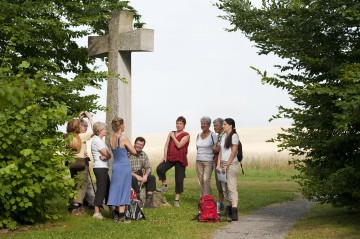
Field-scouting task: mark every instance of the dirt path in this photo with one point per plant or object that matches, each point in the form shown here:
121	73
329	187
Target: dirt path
271	222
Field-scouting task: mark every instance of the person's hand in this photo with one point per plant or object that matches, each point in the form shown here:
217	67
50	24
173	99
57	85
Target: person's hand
224	168
144	178
216	148
81	115
139	178
88	115
218	169
172	134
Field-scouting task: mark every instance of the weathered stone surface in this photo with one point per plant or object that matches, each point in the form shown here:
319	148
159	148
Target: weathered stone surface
117	46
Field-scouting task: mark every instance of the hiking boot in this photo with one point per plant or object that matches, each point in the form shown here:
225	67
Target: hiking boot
234	214
227	212
98	216
177	203
149	202
163	188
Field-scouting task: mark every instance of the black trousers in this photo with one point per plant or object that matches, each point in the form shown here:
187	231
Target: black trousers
164	166
102	185
150	184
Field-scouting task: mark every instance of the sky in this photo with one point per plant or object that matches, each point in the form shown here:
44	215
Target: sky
197	69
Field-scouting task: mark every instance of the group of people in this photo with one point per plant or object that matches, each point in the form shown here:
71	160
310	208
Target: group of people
131	167
219	151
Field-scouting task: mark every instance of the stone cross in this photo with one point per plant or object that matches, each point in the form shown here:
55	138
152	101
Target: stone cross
117	46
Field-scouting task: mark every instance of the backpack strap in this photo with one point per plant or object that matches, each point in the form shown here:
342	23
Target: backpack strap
118	142
197	138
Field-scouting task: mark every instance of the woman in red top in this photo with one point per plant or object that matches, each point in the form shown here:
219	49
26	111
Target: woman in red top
175	154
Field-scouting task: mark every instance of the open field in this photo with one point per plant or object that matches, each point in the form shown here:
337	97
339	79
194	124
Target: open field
257	152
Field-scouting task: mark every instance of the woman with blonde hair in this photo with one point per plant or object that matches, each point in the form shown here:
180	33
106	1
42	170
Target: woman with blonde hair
78	169
101	155
121	177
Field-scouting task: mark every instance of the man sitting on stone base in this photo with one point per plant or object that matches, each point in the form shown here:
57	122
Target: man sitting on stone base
141	173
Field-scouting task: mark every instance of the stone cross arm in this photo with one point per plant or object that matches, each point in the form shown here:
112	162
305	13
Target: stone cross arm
133	41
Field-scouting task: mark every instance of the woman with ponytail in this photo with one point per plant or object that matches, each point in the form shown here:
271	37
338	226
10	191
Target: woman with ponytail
229	165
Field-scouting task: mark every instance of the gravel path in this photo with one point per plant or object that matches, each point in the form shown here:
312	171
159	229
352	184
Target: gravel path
271	222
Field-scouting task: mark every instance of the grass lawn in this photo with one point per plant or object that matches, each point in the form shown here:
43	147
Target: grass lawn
324	221
257	188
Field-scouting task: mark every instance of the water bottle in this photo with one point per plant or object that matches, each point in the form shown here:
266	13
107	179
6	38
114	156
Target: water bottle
218	207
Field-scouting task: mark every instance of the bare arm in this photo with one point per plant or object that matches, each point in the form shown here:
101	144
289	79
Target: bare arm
105	153
182	142
89	116
128	145
234	149
166	147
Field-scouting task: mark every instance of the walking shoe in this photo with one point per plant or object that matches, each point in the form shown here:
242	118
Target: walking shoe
123	220
98	216
78	211
177	203
115	216
163	188
149	202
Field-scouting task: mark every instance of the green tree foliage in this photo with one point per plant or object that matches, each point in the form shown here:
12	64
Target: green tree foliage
43	72
321	41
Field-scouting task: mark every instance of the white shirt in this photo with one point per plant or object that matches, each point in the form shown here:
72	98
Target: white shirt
98	144
225	153
204	147
84	137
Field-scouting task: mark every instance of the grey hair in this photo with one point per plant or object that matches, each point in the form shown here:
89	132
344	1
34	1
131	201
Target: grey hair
205	119
98	126
218	120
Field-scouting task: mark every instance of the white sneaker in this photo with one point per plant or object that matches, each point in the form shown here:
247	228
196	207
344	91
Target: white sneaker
98	215
177	203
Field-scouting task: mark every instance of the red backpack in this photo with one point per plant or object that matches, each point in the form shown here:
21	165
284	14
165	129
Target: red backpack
207	209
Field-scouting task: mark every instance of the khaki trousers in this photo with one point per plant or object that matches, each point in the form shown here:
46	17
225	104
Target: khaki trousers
204	171
230	187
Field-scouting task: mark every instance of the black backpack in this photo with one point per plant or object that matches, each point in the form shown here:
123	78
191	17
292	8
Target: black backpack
239	152
133	211
240	155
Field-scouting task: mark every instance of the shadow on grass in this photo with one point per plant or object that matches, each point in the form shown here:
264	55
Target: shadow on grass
324	221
